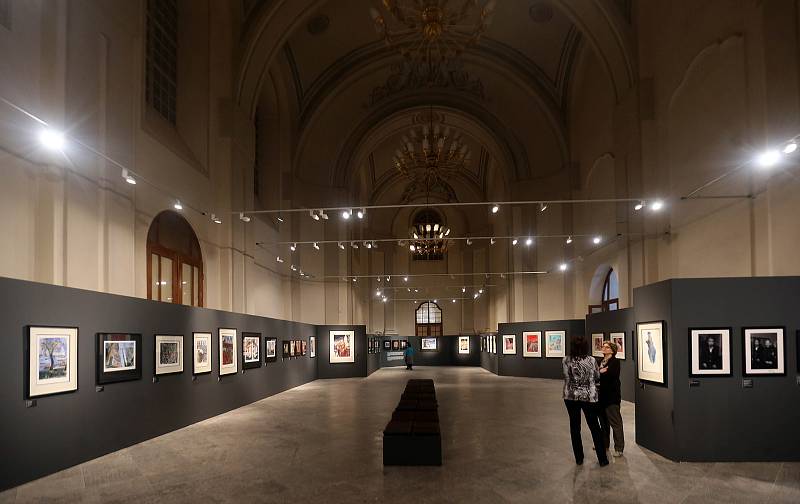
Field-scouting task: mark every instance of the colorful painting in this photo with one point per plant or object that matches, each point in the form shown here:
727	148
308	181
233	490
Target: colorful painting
463	344
509	344
227	352
119	357
650	339
430	344
169	354
532	344
618	338
597	344
53	360
556	343
201	352
342	345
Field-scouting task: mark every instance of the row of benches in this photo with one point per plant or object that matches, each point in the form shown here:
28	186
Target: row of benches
412	436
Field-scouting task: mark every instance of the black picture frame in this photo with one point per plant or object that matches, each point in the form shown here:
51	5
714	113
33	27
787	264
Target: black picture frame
387	344
403	344
267	357
286	353
744	350
304	347
103	377
257	338
730	352
664	351
395	344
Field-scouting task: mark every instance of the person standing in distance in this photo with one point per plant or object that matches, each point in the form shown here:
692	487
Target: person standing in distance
408	356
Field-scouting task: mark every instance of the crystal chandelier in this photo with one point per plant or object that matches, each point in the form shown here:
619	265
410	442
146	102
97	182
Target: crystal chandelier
428	236
427	32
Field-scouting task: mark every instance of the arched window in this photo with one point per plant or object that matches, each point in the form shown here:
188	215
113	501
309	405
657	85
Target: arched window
429	319
610	296
174	261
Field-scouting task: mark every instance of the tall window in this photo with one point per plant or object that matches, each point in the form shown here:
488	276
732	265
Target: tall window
429	319
174	261
610	297
161	73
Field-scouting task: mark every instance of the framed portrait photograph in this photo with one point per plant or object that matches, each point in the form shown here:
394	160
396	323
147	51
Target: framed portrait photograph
119	357
227	352
597	344
169	354
312	347
463	344
764	351
52	360
652	352
710	352
201	352
619	339
387	344
532	344
286	349
395	344
251	350
430	344
403	344
270	349
556	342
342	347
509	344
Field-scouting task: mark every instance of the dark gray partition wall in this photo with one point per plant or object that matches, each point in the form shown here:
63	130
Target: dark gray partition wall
355	369
392	358
489	360
718	418
67	429
446	355
615	322
534	367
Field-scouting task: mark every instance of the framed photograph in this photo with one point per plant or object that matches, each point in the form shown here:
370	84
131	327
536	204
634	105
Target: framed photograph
201	352
292	349
169	354
764	351
303	347
430	344
227	352
710	352
52	360
597	344
509	344
556	342
251	350
619	339
342	346
270	349
463	344
387	344
371	346
377	345
403	344
119	357
532	344
312	347
395	344
652	351
286	349
493	344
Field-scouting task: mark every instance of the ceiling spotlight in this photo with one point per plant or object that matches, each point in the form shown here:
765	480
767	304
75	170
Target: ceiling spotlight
323	214
354	245
416	290
374	244
768	158
243	217
51	139
367	244
405	279
415	235
475	296
454	300
388	278
346	214
563	267
463	289
435	300
341	245
379	279
378	293
447	233
215	219
385	299
514	241
528	241
596	240
128	177
293	247
495	208
657	205
313	214
361	213
569	239
790	147
480	291
639	206
355	279
542	207
293	267
469	241
492	241
279	259
177	205
280	219
412	248
316	246
408	289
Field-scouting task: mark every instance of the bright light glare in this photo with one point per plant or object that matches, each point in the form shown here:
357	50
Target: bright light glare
790	147
639	206
495	208
345	215
657	205
53	140
563	267
529	241
768	158
596	240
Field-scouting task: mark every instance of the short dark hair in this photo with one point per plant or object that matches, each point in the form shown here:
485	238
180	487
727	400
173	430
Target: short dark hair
578	347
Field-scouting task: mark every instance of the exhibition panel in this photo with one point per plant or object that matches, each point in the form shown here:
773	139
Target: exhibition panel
344	351
618	326
438	351
549	339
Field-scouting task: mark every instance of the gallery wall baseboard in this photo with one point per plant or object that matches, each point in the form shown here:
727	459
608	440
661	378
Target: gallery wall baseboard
95	420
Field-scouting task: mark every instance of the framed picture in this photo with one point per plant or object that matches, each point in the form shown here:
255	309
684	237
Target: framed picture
509	344
463	344
597	344
556	343
710	352
169	354
764	351
119	357
395	344
619	339
430	344
342	346
286	349
403	344
201	352
377	345
532	344
312	346
652	352
292	349
227	352
387	344
493	344
52	360
371	346
270	349
303	347
251	350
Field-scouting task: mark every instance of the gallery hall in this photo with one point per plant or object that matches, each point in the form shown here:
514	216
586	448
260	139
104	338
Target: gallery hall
385	251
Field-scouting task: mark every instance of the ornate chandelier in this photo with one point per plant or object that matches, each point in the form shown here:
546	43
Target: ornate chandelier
429	153
428	236
428	32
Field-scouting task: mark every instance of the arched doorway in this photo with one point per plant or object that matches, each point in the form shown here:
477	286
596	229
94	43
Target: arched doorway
174	261
428	318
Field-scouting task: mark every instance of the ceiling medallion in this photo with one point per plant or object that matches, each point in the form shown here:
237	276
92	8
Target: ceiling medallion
428	33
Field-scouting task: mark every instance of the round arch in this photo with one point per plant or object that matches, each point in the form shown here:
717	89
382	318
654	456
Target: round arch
604	290
174	261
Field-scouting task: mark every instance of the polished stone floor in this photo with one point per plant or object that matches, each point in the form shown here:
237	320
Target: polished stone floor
504	440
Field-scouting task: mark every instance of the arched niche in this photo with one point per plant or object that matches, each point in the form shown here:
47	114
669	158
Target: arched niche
174	261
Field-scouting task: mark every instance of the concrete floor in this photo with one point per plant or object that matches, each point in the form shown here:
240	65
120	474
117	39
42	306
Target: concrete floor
504	440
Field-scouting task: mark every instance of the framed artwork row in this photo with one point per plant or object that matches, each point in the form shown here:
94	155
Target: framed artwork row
618	338
374	345
295	348
533	344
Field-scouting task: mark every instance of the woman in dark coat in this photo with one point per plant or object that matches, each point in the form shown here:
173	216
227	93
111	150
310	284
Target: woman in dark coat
610	399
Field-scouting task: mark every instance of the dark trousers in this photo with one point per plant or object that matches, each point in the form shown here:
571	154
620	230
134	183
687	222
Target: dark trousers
409	363
590	411
611	419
